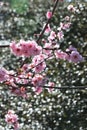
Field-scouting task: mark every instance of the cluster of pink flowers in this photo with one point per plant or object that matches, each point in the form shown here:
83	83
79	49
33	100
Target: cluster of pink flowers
53	35
12	119
71	55
65	26
38	81
25	48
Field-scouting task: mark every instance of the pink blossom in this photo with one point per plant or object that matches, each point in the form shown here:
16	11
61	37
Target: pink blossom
49	14
75	57
71	8
25	67
60	35
52	36
65	26
25	48
71	48
3	74
48	29
47	47
38	90
39	63
36	51
38	80
67	18
61	55
40	67
12	119
18	51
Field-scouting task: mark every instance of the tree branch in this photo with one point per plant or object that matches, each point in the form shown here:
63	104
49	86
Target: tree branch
41	34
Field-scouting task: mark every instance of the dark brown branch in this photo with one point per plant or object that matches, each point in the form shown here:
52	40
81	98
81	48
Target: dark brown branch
68	87
55	87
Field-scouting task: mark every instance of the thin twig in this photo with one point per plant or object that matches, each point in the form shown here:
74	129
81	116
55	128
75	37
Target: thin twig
41	34
55	87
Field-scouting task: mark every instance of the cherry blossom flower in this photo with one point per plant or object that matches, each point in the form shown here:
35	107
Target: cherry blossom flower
75	57
71	8
60	35
38	90
48	29
65	26
71	48
12	119
52	36
61	55
67	18
39	63
38	80
49	14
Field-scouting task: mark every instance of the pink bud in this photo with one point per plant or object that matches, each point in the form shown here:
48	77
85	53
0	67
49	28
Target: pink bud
49	14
